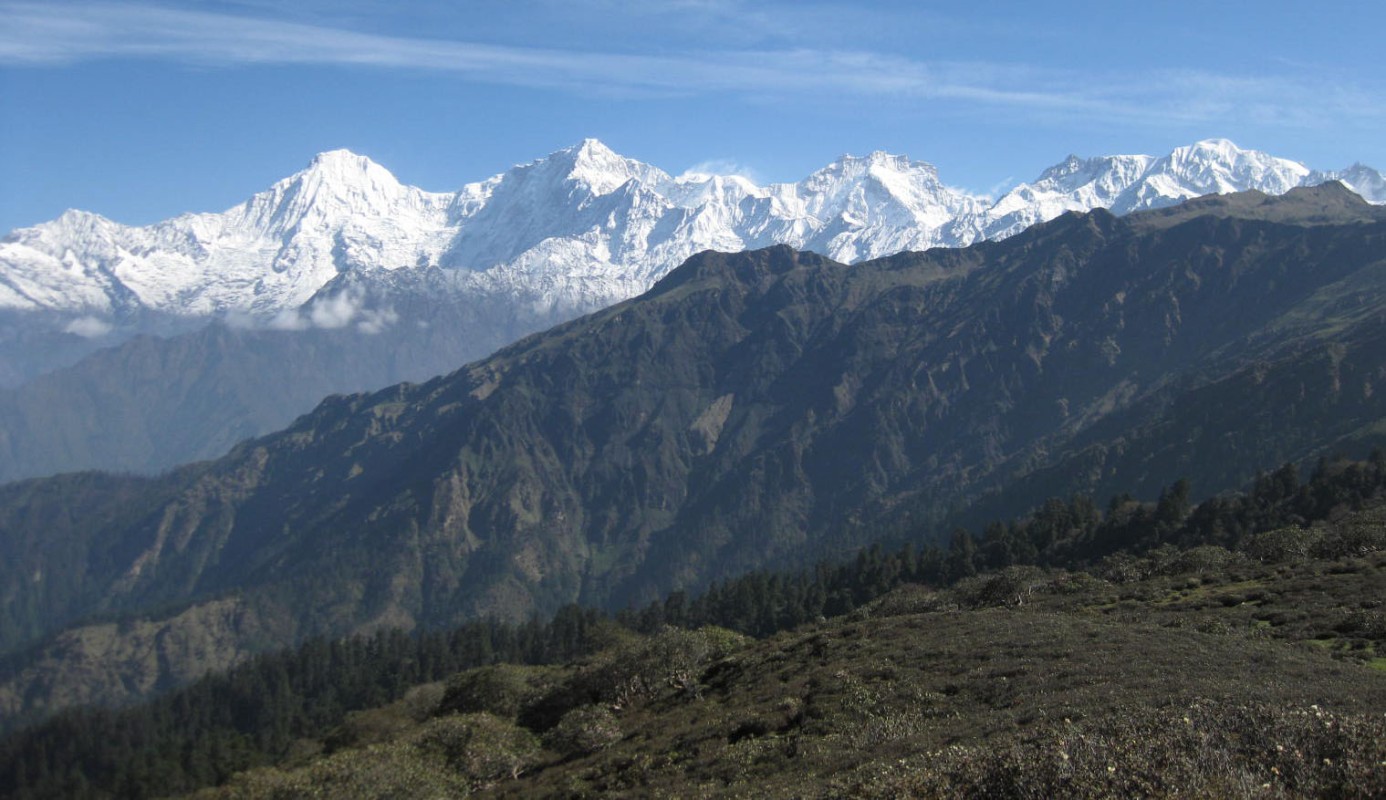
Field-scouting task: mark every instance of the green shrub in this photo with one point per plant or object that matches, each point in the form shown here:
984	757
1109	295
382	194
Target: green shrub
379	771
583	730
422	702
375	725
1357	536
911	599
1011	586
673	659
481	747
372	726
1202	559
1284	544
501	689
1124	568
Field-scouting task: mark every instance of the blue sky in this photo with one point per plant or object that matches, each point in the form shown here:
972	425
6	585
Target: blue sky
142	110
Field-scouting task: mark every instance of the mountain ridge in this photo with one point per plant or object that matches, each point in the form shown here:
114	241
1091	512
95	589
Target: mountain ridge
341	262
749	410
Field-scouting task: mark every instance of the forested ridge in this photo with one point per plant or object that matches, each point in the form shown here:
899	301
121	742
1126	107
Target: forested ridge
278	706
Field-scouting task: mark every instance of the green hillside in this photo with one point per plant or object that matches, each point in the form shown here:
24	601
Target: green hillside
1180	646
1193	683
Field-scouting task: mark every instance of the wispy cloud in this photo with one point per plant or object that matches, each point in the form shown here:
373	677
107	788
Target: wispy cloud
331	312
89	327
58	34
720	166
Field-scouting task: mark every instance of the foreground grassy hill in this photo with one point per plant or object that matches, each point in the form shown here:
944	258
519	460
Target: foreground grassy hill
1192	672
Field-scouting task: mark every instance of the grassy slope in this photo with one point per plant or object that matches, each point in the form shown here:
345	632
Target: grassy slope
1211	677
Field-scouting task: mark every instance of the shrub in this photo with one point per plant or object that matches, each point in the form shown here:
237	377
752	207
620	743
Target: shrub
372	726
671	659
383	724
583	730
1123	568
482	747
1358	536
1364	623
422	702
1202	559
1012	586
501	689
371	772
910	599
1284	544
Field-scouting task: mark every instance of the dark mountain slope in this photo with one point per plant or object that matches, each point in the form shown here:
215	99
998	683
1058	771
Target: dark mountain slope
764	407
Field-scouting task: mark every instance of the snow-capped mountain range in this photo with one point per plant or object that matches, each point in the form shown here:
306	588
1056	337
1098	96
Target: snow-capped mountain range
567	233
341	279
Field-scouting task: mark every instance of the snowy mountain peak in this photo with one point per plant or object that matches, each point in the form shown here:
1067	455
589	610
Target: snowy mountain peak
1219	166
76	216
594	166
1221	152
1100	177
343	171
860	186
341	158
591	148
339	189
1363	180
1224	149
1071	165
74	219
876	162
880	158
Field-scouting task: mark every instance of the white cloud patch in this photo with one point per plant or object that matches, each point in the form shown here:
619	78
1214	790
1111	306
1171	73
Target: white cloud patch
999	188
290	319
375	321
88	327
720	166
334	312
325	313
339	311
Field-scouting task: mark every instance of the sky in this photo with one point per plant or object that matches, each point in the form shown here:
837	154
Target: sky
142	110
